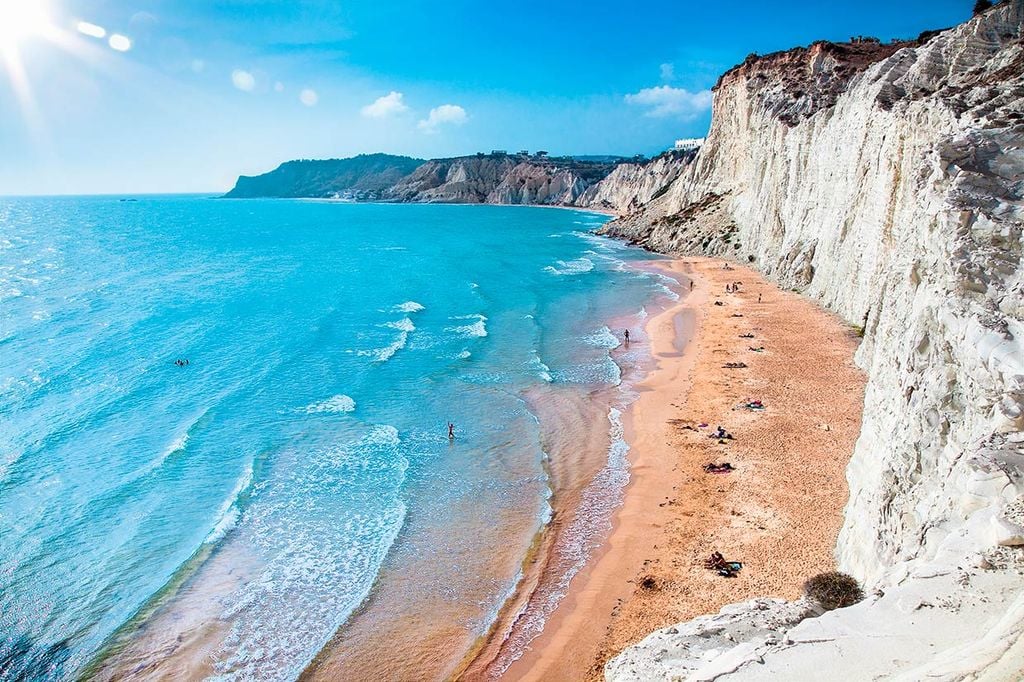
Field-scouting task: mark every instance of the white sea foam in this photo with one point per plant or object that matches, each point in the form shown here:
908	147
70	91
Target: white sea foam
325	528
538	366
387	352
338	403
602	338
464	355
409	307
404	324
571	267
477	329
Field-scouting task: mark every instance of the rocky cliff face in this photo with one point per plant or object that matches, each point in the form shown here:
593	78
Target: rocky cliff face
889	185
632	185
483	178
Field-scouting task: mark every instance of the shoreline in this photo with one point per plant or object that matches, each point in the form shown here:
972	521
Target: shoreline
328	200
647	573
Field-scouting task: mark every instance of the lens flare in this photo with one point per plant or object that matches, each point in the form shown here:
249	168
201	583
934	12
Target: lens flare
119	42
20	19
85	28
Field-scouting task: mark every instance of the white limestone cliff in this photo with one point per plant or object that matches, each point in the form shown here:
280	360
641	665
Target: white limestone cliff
631	185
886	182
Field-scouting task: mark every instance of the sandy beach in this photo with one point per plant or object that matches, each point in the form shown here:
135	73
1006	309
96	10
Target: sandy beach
778	512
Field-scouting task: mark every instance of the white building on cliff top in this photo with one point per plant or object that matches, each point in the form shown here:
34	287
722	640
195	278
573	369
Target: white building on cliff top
689	144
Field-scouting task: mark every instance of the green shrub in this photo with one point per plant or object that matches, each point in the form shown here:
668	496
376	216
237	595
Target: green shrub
833	590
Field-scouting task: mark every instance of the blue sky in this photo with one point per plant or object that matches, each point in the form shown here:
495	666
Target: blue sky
212	89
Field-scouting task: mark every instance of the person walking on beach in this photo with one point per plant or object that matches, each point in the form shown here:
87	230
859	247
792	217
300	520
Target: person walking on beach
625	335
451	431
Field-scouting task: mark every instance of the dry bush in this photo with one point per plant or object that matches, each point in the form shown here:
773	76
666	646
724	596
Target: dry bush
833	590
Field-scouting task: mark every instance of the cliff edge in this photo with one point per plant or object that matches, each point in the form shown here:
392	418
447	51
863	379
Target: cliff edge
888	185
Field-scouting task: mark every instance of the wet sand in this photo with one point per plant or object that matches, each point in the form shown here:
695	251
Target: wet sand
779	512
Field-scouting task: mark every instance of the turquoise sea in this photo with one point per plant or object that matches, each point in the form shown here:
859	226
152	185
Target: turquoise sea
228	517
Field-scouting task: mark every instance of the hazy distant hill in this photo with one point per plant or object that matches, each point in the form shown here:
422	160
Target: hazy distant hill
359	177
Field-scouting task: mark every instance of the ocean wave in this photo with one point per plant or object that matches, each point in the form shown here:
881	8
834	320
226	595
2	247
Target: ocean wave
325	528
231	509
478	329
668	292
602	338
409	307
338	403
571	267
538	366
387	352
176	446
404	324
603	371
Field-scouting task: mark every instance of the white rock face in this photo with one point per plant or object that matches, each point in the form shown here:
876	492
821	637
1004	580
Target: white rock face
892	194
631	185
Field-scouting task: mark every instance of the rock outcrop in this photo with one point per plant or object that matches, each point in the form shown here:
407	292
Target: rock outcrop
889	185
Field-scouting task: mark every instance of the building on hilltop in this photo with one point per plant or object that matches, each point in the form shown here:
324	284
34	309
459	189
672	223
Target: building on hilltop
689	144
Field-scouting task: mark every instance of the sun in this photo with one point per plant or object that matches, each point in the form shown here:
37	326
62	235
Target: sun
20	19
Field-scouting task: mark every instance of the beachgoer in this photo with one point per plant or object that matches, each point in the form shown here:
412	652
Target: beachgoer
759	298
451	431
625	335
691	285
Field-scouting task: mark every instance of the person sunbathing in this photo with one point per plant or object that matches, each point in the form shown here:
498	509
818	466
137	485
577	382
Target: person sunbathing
713	468
746	336
727	569
759	349
715	561
721	433
734	365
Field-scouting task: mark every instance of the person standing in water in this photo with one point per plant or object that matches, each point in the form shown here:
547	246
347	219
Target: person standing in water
451	431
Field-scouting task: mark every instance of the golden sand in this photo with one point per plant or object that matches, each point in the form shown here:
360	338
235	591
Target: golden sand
778	513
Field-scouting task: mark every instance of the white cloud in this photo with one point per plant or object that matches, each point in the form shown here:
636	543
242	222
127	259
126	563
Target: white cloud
664	100
445	114
243	80
309	97
385	106
668	72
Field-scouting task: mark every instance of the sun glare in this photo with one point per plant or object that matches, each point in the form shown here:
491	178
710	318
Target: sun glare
20	19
